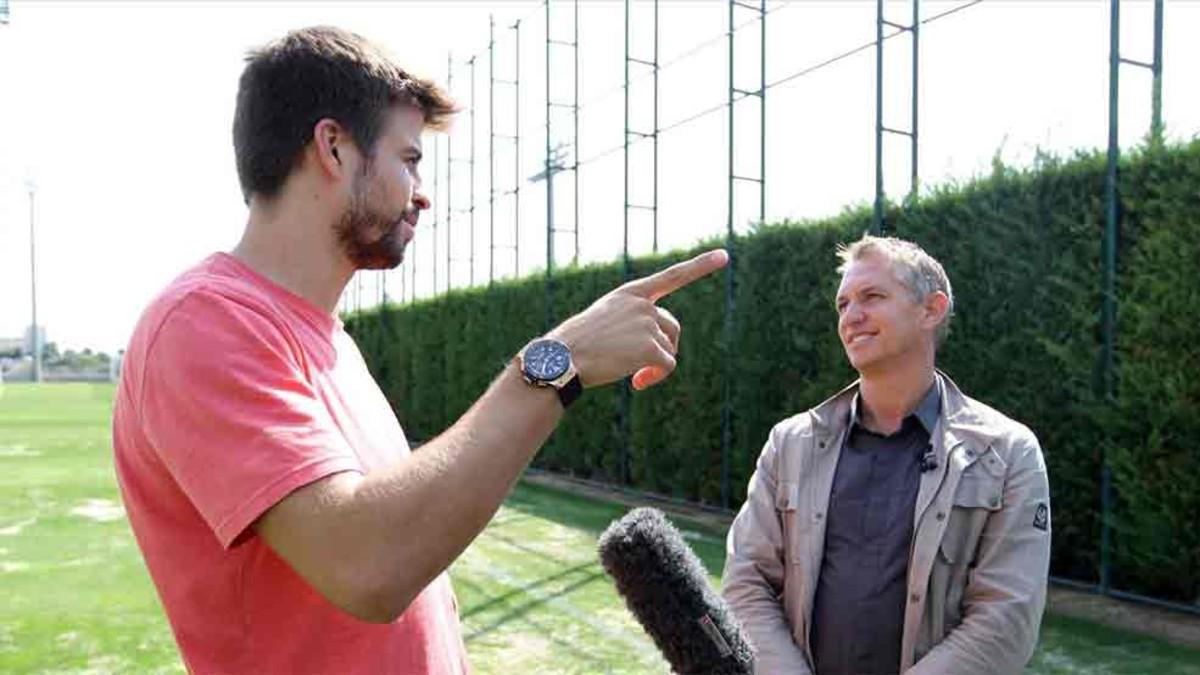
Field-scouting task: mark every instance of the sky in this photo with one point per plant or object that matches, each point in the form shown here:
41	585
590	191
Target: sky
119	113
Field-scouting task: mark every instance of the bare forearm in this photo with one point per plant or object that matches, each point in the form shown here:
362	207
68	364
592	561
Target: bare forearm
428	509
436	503
370	544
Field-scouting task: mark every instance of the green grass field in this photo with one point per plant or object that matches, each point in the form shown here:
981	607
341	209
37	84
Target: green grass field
533	598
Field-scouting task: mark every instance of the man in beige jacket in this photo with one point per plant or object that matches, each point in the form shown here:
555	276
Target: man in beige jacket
900	526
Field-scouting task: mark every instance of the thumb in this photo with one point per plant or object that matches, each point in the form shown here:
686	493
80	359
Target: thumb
648	377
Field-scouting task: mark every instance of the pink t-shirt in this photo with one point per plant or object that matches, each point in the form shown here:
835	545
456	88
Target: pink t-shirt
234	393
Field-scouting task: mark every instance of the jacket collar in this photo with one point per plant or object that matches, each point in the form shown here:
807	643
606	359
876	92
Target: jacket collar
959	419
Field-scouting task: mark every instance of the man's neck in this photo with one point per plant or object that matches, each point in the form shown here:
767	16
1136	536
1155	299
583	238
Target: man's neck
886	398
296	250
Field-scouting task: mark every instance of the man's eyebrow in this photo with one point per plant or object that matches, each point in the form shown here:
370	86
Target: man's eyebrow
865	288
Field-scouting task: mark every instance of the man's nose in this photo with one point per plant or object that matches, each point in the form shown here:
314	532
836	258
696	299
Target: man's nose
852	314
420	201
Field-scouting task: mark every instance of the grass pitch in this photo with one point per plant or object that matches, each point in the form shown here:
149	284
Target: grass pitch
75	596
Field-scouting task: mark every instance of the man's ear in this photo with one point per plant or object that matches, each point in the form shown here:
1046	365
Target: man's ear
328	137
936	306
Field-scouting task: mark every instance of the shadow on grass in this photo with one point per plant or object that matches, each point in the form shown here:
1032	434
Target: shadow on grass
593	516
521	590
524	613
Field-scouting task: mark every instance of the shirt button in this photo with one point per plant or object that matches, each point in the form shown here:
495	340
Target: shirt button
941	515
915	597
819	516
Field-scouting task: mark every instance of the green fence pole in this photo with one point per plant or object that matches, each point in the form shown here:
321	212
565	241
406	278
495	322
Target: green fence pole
549	190
624	402
491	149
916	53
1108	291
1156	123
449	181
877	225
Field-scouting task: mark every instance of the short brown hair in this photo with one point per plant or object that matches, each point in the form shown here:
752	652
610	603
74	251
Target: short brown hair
313	73
918	271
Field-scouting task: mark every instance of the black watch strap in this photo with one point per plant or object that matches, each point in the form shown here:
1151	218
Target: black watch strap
570	391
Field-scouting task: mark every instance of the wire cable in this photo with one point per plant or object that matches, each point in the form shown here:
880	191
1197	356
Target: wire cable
682	55
789	78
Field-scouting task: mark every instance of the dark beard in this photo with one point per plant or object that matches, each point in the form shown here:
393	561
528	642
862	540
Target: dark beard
369	238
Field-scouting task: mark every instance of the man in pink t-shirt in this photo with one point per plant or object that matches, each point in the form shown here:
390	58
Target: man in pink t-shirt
286	524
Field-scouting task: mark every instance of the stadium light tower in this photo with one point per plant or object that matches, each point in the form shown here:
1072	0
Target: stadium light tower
35	337
557	160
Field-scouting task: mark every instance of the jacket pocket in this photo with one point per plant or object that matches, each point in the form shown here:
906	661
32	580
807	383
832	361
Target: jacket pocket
955	558
979	489
976	497
952	574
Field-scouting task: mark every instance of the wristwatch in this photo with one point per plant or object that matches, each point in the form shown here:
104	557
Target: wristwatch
546	362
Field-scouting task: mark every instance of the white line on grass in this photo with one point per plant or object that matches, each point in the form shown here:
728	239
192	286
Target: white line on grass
99	510
15	529
1061	662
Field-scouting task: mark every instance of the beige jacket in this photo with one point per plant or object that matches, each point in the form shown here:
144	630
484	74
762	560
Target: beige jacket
980	553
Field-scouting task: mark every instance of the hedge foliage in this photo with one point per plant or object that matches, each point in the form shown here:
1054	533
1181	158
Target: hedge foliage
1022	248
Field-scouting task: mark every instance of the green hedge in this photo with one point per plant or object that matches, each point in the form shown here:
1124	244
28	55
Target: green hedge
1022	248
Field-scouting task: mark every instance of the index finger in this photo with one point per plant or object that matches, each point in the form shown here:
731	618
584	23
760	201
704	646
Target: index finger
677	276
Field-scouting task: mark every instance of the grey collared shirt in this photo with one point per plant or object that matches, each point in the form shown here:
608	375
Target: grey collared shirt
858	609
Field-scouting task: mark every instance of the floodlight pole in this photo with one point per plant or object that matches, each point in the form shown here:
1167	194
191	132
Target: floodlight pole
36	338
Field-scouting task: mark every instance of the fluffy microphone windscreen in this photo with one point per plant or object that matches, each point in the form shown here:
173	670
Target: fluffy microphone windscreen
667	589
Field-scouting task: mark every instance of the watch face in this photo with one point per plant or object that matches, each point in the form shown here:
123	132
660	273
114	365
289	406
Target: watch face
546	360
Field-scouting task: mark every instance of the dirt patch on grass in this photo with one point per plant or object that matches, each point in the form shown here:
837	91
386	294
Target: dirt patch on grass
1164	624
706	518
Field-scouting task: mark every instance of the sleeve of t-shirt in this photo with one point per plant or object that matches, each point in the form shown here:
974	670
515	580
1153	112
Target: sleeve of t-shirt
231	413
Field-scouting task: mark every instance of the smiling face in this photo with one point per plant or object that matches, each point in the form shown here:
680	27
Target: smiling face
880	322
386	199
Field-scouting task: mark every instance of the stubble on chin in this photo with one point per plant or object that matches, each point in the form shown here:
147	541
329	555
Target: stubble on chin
369	240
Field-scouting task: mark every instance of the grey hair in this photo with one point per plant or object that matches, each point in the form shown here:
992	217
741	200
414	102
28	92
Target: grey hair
918	271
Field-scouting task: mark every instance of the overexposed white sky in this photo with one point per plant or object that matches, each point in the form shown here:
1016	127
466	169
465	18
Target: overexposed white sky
121	114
